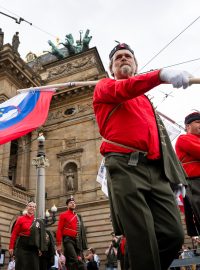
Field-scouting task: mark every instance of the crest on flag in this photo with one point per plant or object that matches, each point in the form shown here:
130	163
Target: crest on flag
8	112
23	113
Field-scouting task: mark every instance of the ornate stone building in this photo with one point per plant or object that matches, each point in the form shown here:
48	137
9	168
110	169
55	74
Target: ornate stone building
71	146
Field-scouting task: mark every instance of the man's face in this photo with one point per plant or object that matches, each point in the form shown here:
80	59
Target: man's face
71	205
31	208
123	64
194	127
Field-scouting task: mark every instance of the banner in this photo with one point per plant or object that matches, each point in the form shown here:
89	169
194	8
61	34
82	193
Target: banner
23	113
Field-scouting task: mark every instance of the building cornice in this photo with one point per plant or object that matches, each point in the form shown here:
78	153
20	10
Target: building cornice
14	67
9	192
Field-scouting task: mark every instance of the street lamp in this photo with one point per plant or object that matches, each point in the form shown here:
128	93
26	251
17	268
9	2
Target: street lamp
40	162
50	219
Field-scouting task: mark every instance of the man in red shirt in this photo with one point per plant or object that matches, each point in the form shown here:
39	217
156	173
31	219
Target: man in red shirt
188	151
140	161
71	231
27	257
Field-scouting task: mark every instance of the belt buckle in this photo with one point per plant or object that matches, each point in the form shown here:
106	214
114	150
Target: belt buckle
133	159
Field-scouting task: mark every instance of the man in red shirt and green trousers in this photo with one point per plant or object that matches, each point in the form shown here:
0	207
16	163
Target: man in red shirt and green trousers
71	232
188	151
140	162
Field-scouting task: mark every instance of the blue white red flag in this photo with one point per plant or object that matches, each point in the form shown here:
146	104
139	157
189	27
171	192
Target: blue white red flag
23	113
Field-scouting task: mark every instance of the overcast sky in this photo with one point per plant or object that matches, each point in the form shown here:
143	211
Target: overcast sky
146	25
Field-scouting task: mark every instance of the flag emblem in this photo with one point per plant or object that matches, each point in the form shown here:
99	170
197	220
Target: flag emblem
23	113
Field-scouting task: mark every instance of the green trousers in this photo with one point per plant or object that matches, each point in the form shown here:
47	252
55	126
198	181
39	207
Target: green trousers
143	208
192	207
26	256
71	253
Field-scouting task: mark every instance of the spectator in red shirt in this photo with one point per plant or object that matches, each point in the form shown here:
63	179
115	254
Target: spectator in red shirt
188	151
121	251
71	231
140	161
26	256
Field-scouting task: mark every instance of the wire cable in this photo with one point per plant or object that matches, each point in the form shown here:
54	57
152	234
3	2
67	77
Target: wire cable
167	45
181	63
31	24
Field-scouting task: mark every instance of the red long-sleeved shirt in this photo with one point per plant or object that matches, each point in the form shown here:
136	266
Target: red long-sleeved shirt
122	245
133	122
21	228
67	225
188	151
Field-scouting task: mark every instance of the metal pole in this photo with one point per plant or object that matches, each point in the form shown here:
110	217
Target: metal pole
58	85
41	162
83	83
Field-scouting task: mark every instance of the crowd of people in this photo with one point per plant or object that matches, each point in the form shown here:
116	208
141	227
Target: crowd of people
30	242
142	172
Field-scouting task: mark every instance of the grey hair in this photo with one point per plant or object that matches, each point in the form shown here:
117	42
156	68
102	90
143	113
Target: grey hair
111	63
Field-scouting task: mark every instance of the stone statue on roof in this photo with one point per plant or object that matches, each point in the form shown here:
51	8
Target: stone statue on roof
69	44
81	44
55	51
15	42
86	40
1	39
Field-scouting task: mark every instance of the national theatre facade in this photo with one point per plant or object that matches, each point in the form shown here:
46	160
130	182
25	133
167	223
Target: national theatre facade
72	143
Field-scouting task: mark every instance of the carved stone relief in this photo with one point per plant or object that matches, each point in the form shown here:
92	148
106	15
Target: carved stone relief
37	66
71	67
69	112
69	143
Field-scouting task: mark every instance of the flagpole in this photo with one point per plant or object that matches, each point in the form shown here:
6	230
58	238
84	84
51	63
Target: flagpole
59	85
170	120
83	83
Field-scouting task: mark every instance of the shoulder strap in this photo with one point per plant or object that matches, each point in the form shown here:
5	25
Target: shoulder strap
110	114
71	220
119	144
192	161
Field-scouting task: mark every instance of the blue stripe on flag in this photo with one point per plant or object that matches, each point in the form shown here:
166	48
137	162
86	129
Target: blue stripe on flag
18	112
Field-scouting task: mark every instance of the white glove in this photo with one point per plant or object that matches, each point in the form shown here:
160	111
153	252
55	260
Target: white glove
177	78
